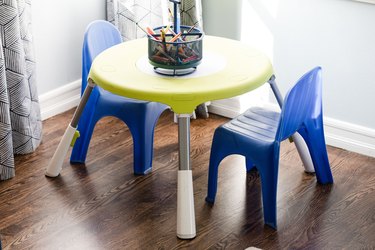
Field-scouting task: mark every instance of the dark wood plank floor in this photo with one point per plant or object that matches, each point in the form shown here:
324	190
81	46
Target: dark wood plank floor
102	205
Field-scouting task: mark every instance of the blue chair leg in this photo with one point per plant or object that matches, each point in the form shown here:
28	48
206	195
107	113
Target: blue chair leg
218	153
249	165
314	138
143	138
269	175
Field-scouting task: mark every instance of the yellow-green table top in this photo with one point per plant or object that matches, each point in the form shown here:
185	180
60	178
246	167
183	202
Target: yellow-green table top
116	70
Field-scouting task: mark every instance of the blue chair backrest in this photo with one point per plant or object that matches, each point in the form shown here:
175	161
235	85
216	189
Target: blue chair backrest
99	35
302	102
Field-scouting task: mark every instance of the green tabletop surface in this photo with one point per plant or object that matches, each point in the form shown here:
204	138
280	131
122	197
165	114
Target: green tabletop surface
245	68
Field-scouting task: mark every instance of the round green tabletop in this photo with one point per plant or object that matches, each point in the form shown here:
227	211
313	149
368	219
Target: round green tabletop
228	68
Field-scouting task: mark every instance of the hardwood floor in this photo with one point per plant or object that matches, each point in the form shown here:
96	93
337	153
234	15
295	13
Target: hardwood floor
102	205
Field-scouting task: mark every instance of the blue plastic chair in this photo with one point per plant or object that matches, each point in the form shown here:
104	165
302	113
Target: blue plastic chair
140	116
257	135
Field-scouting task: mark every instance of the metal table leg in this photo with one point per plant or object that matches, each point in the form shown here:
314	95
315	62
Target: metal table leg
55	165
301	146
185	194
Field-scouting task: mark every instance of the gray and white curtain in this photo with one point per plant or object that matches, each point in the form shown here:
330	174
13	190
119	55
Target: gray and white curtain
130	15
191	13
20	121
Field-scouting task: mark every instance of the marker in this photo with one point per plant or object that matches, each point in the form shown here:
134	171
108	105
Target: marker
175	37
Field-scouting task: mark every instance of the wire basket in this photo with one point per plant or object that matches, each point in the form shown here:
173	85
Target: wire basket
168	50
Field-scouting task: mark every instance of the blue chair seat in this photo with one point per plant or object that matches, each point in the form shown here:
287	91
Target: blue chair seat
256	123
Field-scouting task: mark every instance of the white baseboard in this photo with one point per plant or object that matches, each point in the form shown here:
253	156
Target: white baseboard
219	108
339	134
350	136
60	100
366	1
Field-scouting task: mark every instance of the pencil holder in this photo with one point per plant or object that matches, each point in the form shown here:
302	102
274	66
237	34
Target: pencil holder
167	50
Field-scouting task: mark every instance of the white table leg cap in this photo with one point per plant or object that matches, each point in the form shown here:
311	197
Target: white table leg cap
185	205
186	236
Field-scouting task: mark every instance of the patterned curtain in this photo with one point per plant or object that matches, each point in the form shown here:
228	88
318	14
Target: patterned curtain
20	121
191	13
128	15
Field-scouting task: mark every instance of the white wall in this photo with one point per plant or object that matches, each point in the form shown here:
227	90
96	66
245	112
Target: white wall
58	28
338	35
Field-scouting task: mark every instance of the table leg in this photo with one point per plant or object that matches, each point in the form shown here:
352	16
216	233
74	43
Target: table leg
301	146
185	194
55	165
